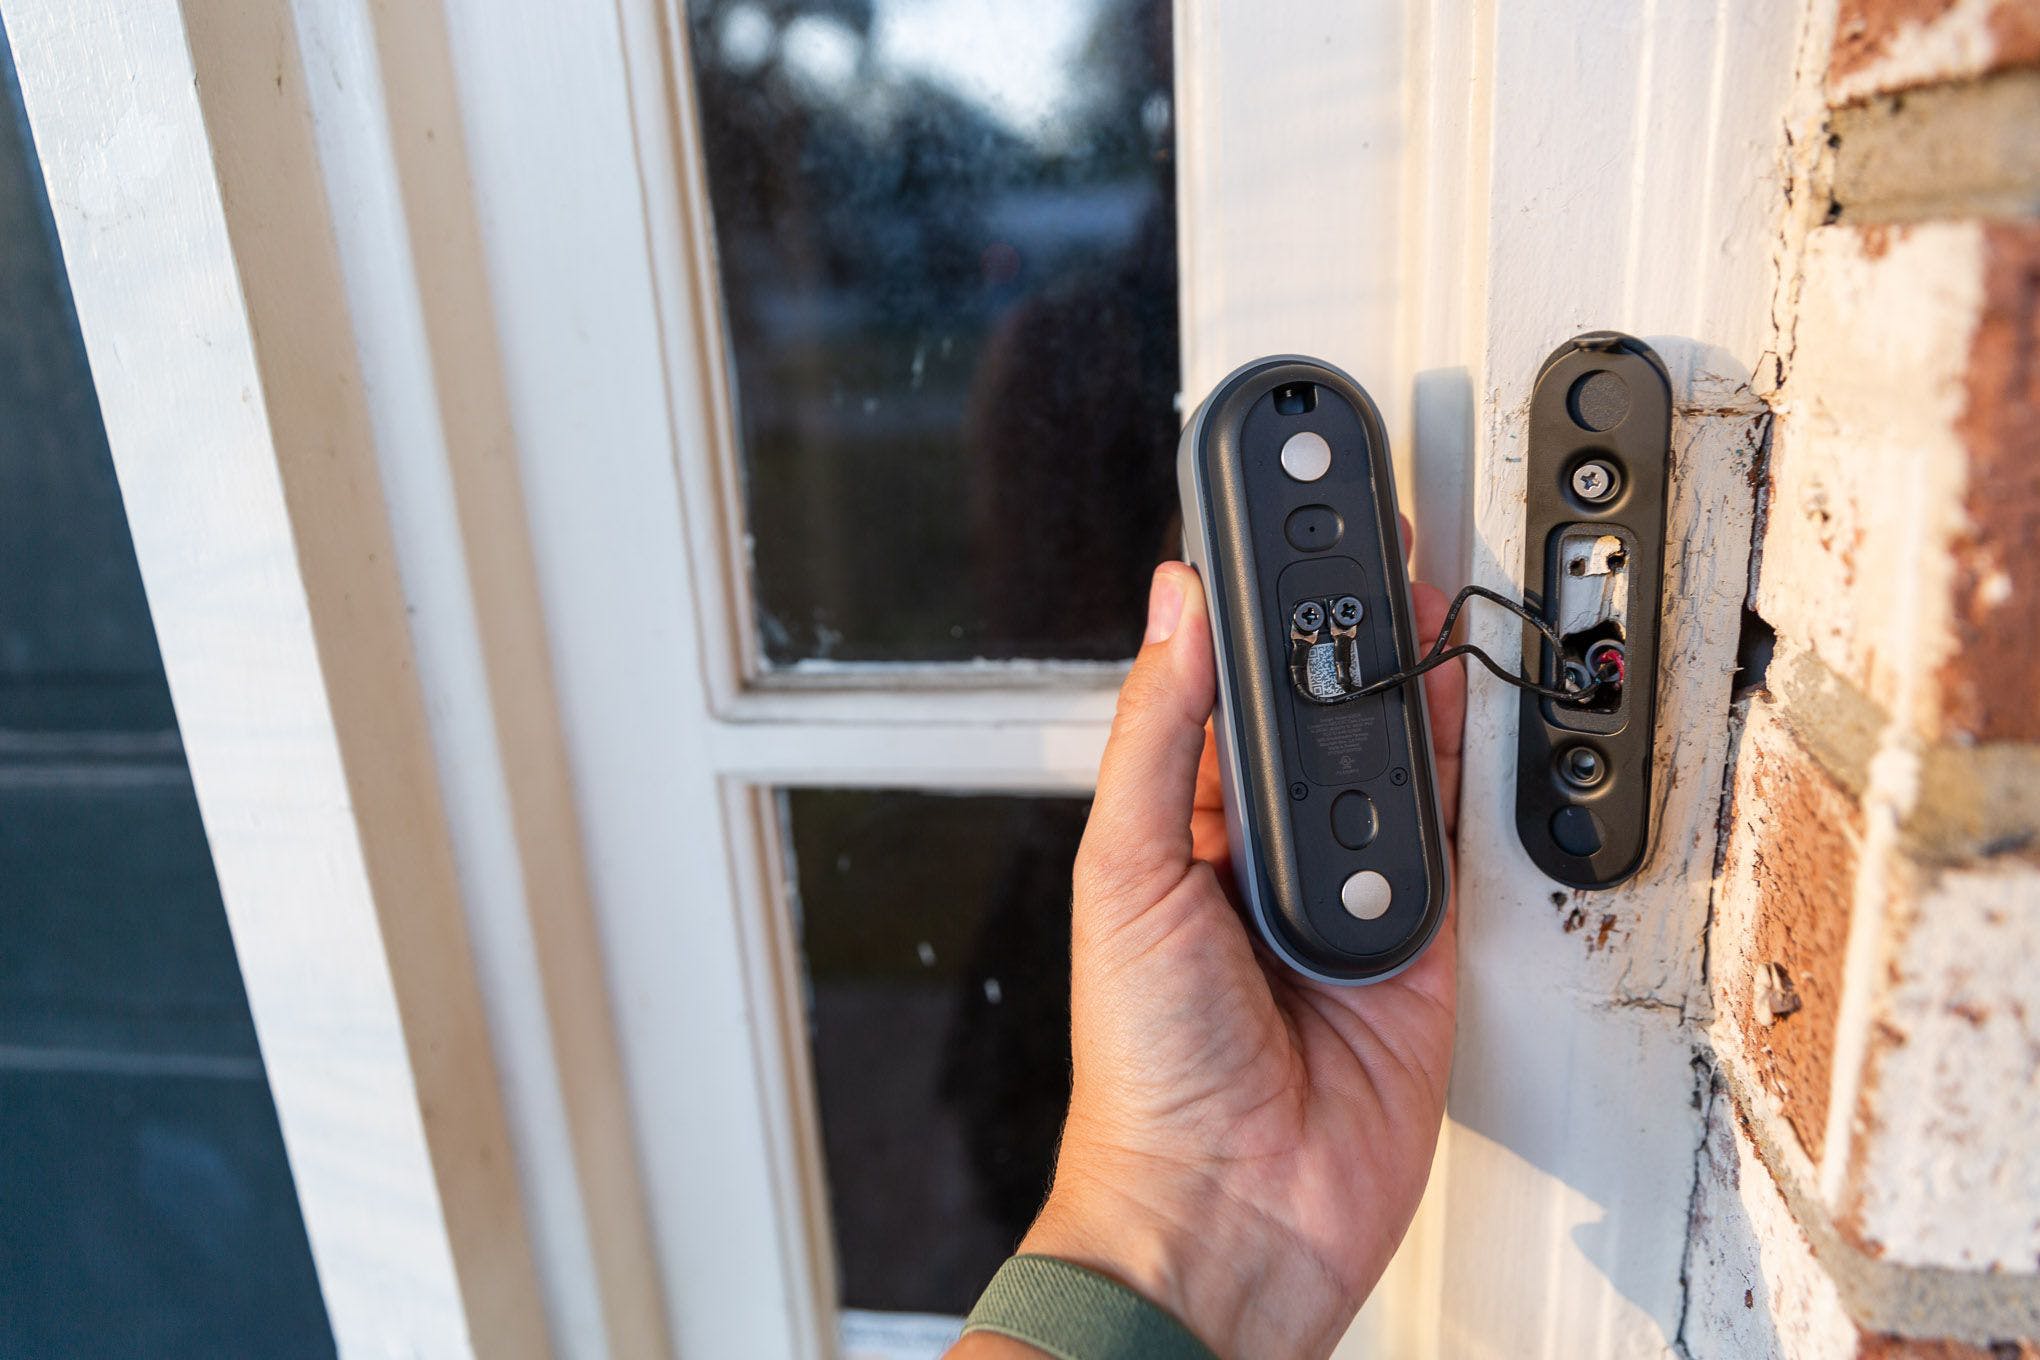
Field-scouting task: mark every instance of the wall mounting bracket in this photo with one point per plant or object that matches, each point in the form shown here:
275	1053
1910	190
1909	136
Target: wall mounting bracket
1599	472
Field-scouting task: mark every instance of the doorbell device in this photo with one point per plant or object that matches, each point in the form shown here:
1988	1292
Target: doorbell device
1597	469
1289	516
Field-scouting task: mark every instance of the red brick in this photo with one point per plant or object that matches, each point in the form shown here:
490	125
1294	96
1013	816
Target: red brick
1991	681
1910	1348
1867	469
1790	868
1867	30
1882	46
1942	1169
2017	30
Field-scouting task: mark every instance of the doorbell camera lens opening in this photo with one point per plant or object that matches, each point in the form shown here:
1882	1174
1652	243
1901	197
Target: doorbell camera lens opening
1296	399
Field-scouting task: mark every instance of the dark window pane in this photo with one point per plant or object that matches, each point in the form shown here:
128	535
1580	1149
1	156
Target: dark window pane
946	232
149	1212
935	930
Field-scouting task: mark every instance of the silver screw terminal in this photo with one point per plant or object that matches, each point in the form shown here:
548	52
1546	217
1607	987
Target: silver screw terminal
1308	616
1595	481
1347	611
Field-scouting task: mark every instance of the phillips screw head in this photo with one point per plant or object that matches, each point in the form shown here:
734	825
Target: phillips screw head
1595	481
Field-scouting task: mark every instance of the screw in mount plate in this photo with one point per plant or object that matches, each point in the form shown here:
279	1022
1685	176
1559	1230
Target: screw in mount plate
1594	481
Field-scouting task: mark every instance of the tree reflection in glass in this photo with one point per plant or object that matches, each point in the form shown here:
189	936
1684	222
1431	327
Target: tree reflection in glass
946	236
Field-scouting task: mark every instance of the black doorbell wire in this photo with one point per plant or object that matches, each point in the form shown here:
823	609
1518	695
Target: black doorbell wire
1303	640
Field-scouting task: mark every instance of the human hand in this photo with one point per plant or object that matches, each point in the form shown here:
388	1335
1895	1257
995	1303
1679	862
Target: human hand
1245	1146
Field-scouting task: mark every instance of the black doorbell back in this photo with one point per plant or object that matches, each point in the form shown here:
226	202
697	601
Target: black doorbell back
1289	516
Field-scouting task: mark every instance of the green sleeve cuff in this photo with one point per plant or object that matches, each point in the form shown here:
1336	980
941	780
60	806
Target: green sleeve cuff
1077	1314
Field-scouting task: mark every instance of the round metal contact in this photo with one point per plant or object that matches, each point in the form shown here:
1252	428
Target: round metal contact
1347	611
1306	456
1308	616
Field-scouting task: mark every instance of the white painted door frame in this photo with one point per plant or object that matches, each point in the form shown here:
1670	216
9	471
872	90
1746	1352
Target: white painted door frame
1619	166
405	327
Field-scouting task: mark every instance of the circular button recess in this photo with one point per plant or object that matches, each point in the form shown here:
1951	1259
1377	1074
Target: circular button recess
1366	895
1353	820
1313	528
1576	830
1598	401
1306	456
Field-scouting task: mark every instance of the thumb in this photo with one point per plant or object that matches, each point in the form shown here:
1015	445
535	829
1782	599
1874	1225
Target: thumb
1137	844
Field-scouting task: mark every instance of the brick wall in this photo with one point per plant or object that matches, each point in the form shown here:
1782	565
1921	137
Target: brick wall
1870	1178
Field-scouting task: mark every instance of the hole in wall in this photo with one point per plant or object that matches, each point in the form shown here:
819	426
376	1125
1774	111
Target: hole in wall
1753	649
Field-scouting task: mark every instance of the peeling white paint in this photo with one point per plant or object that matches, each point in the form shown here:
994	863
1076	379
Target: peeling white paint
1754	1288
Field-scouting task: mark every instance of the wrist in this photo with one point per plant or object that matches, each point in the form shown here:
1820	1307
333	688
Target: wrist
1181	1245
1092	1226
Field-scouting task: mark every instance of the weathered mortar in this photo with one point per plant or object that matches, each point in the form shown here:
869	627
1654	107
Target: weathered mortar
1950	151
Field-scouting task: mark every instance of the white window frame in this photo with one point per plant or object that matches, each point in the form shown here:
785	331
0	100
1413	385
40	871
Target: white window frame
435	501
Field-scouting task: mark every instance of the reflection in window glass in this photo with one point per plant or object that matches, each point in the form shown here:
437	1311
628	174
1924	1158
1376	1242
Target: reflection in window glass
946	234
935	931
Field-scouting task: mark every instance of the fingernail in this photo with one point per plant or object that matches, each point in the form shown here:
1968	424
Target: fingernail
1165	605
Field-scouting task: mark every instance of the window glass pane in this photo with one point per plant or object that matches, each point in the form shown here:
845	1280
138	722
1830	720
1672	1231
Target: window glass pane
946	231
935	931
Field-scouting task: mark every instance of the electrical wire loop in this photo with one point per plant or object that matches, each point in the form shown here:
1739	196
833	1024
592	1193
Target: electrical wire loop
1440	653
